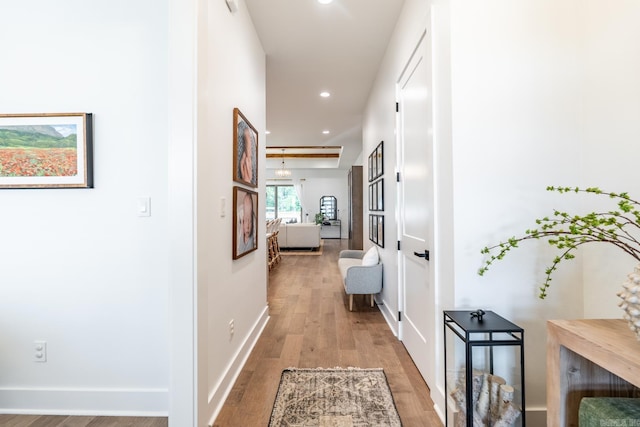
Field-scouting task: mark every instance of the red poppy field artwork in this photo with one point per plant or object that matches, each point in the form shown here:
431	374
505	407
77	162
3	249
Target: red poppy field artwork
46	150
38	162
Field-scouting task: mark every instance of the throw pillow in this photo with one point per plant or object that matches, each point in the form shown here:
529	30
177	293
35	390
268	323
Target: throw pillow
370	257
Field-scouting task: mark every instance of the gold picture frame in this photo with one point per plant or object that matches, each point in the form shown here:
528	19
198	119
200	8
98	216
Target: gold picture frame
46	150
245	150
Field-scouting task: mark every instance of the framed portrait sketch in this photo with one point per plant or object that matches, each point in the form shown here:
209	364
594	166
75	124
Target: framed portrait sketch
46	150
376	162
379	160
374	166
245	148
245	221
380	232
376	229
376	195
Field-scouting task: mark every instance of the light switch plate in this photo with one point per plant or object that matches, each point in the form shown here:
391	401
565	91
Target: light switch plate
144	206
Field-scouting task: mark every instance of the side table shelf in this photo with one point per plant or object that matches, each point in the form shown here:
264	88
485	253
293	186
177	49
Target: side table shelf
481	337
588	358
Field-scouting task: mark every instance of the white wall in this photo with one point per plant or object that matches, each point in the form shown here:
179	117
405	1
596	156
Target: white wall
516	97
79	268
541	101
230	75
611	133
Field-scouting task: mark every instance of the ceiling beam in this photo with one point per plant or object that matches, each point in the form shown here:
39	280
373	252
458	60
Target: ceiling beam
303	155
304	147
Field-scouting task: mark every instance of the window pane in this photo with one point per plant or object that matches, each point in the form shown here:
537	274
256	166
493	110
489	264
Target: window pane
271	202
288	205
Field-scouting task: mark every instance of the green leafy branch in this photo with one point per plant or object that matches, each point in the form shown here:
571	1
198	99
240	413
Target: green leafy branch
567	232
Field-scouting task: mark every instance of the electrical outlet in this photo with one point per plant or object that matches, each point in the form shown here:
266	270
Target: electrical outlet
40	351
232	328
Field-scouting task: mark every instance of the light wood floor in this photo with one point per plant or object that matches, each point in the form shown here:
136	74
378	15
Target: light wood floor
65	421
310	327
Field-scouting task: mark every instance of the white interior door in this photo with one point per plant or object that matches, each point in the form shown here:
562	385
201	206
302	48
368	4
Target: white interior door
415	193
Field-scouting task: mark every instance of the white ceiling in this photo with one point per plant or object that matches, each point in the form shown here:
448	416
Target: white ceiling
311	48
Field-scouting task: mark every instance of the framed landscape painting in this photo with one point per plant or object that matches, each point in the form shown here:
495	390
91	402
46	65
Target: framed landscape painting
245	150
46	150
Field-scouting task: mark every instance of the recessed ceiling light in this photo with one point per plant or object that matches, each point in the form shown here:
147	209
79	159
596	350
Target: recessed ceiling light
326	132
325	94
324	1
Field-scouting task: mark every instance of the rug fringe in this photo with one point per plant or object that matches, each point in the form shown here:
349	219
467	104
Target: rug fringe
337	368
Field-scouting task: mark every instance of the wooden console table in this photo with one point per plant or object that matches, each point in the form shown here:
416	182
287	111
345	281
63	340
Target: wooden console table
588	357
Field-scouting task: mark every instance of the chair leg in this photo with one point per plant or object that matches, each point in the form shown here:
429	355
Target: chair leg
271	252
276	247
372	300
351	302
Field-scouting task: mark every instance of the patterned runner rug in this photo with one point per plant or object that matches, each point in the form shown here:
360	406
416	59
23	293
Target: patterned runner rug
349	397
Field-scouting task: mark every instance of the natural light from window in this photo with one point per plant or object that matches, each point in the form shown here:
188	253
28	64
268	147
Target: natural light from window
283	202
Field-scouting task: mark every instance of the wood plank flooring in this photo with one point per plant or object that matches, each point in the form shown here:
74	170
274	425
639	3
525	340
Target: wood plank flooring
310	327
65	421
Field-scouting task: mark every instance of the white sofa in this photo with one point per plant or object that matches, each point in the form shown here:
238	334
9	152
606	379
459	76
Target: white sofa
298	235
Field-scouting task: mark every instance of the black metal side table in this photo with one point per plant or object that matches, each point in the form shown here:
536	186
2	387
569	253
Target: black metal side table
481	329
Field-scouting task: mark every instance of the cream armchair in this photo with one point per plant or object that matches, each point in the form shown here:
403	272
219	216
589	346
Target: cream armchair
361	273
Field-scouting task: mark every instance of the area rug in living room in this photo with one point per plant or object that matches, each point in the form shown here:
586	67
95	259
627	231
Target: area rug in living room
303	251
350	397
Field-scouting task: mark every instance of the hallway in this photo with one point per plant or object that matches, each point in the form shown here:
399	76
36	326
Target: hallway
310	326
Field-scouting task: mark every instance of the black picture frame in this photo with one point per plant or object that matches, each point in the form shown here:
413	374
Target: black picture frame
376	229
376	162
376	195
371	227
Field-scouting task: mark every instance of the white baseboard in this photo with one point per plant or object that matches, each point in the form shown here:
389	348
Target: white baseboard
87	402
223	388
391	318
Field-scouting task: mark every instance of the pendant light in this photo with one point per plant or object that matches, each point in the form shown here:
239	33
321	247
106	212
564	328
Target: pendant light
283	172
